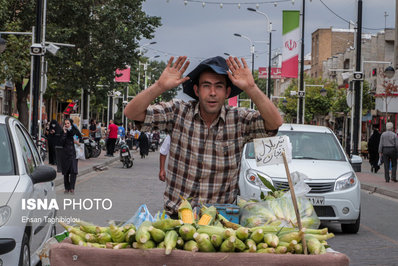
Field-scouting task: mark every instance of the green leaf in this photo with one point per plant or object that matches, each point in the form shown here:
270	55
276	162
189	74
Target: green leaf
262	196
266	183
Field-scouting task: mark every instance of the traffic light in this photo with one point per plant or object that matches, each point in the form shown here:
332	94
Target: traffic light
374	72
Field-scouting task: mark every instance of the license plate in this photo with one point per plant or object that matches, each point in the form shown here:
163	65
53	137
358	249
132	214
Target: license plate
86	141
316	201
125	154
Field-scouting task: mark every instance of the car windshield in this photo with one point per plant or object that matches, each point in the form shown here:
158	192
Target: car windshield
6	161
309	145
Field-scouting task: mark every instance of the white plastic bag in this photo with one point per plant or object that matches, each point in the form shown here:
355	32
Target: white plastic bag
80	152
140	216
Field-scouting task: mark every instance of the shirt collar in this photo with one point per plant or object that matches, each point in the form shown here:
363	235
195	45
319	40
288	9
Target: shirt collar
222	115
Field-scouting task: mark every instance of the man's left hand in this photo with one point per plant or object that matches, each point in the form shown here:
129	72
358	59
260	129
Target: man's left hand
240	74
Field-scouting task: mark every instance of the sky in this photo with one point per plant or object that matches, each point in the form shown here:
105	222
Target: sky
202	32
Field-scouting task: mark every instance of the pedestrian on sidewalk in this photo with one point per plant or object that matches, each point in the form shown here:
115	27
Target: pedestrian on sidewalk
112	136
388	148
71	136
164	151
53	137
207	136
143	144
373	150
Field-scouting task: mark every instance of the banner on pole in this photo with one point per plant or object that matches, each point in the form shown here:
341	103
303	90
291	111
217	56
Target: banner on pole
291	40
122	75
275	73
233	101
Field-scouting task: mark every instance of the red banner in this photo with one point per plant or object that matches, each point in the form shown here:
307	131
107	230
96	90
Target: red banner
275	72
233	101
122	75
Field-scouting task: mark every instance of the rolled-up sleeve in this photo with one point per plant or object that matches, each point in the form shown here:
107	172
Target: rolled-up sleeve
160	115
253	124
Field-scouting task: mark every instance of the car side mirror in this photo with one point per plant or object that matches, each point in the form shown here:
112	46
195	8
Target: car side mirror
43	173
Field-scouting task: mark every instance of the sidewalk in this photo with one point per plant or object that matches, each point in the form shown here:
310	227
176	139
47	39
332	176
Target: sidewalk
376	182
86	166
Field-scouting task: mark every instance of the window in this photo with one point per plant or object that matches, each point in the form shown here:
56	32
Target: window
6	155
34	149
26	151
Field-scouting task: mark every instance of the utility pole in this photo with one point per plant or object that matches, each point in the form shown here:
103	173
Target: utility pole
36	70
357	86
301	99
396	37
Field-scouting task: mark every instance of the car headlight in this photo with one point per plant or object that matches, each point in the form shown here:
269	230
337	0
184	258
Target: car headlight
252	178
345	181
5	213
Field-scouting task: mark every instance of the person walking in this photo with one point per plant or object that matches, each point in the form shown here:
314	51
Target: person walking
70	136
143	144
98	132
207	136
388	148
53	137
373	150
112	136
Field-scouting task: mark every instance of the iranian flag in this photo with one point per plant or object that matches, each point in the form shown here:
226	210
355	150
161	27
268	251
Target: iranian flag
291	38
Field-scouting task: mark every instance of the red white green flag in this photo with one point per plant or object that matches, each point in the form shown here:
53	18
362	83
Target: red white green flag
291	38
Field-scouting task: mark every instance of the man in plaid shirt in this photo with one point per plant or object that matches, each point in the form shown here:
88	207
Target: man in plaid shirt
207	137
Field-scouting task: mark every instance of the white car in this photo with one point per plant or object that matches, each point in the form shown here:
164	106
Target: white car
317	153
23	178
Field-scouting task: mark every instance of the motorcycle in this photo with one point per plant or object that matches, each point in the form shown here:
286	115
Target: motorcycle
91	148
125	155
41	146
154	144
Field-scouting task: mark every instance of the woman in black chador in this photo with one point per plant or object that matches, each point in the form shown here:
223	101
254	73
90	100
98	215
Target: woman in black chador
53	137
373	150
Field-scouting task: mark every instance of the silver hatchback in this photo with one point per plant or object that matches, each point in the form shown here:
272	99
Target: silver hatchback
24	181
317	153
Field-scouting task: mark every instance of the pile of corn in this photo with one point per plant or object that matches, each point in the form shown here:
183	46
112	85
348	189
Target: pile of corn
211	233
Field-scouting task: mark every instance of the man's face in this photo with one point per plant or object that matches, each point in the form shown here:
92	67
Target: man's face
212	92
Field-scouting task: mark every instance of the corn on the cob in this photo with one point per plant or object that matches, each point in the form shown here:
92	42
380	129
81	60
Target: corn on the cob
211	230
257	236
117	233
180	243
96	245
208	215
262	245
191	245
228	245
272	240
298	248
77	231
187	231
170	241
91	238
287	237
142	234
228	233
251	245
242	233
127	227
167	224
156	234
280	250
239	245
185	212
266	250
103	238
204	242
130	236
77	240
320	237
147	245
161	245
101	229
216	240
314	246
121	245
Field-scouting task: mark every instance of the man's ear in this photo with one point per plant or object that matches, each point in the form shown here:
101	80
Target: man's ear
228	92
196	90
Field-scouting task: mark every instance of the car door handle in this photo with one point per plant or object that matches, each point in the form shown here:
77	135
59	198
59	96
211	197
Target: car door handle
45	192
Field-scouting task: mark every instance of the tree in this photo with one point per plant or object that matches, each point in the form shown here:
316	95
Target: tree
106	35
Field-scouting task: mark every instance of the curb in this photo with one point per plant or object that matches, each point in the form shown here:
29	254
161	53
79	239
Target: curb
60	180
374	189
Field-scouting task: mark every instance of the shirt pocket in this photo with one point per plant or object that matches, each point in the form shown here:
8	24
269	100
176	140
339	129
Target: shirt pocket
227	154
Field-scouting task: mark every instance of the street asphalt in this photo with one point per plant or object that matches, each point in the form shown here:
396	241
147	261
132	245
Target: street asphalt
373	182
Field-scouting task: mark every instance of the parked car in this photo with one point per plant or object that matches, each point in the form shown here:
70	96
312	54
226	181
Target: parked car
317	153
23	177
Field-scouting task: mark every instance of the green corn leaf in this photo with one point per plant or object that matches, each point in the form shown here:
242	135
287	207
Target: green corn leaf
262	196
267	183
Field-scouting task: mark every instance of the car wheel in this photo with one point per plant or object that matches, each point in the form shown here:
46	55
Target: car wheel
351	228
24	257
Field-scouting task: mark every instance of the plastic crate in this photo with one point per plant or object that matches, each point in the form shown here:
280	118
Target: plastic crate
229	211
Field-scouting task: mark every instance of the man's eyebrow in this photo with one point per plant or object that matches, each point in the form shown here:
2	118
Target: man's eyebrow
217	83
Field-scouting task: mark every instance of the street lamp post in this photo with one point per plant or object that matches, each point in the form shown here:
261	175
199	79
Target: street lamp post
270	47
145	70
252	53
139	63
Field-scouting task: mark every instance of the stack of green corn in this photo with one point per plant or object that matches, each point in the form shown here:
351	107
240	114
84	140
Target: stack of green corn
169	234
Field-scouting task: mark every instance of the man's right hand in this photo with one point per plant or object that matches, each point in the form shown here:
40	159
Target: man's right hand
172	74
162	175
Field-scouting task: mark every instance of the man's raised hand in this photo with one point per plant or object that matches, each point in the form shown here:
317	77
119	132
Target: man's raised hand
172	74
240	74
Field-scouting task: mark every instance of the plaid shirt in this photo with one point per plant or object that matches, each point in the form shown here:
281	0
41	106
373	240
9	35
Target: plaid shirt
203	162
